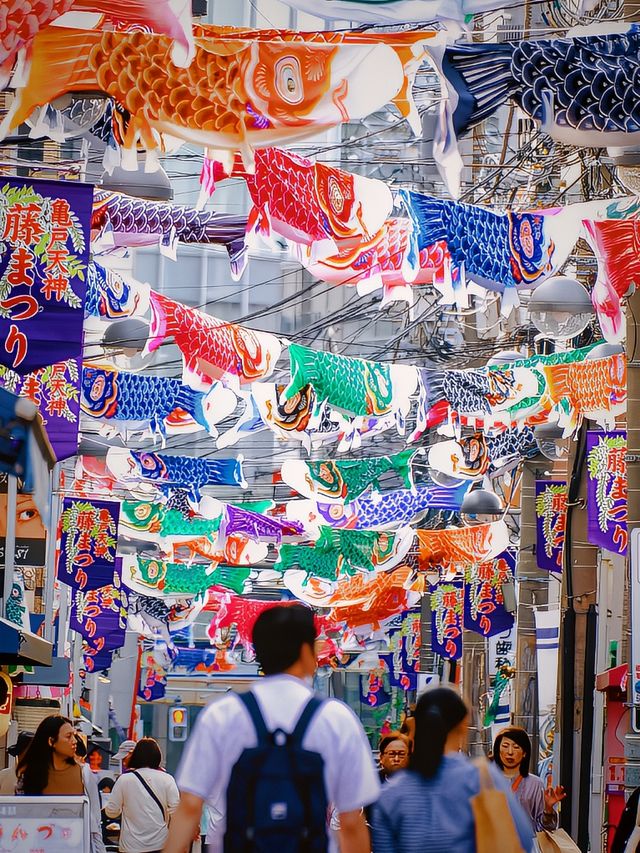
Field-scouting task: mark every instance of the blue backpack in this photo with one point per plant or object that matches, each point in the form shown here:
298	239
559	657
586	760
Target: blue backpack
276	799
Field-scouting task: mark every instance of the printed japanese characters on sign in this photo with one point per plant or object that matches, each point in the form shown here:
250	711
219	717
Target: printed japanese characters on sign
484	610
55	390
88	544
44	252
551	517
607	490
447	604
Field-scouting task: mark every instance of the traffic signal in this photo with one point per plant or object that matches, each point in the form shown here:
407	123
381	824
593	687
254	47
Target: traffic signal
178	724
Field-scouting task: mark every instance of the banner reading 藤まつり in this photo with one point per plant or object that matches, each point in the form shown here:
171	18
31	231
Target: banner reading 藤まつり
88	543
44	251
551	519
607	490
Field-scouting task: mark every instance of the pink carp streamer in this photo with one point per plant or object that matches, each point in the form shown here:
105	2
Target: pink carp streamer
384	262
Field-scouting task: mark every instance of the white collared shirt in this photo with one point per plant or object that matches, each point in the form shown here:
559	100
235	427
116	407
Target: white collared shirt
224	730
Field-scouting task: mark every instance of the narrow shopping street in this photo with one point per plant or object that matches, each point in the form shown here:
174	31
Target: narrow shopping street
319	426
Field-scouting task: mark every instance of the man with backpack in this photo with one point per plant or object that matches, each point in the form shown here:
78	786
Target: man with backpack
277	756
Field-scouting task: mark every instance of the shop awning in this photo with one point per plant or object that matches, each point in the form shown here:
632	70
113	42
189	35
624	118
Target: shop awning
613	679
20	646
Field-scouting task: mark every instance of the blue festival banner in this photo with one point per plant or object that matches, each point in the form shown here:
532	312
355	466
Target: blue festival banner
607	490
372	688
447	607
94	660
44	253
153	678
100	616
88	543
484	610
551	519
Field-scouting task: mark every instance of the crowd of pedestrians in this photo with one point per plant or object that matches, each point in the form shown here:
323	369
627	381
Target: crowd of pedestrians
280	769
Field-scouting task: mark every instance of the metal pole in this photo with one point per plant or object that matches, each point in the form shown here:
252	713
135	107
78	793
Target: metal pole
10	540
586	747
50	568
63	620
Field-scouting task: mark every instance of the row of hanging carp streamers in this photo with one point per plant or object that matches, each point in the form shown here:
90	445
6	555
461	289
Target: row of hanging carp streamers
244	89
329	396
345	230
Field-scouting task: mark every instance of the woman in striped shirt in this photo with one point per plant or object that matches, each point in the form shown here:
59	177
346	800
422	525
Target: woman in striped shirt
427	808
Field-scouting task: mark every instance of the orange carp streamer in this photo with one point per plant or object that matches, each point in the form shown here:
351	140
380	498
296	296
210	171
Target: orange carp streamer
243	89
20	20
461	546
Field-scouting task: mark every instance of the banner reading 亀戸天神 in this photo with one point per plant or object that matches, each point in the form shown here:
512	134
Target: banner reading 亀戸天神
607	490
44	252
551	518
55	390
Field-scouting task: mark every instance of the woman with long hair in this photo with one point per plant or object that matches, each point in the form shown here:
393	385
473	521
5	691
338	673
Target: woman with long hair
512	754
427	808
49	768
145	796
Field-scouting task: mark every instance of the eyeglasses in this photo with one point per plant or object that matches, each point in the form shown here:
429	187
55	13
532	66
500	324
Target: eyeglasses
395	754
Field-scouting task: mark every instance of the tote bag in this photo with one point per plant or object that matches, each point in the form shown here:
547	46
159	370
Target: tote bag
495	827
556	842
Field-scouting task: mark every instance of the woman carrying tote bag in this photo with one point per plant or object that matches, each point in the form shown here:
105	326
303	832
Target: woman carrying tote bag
445	802
145	796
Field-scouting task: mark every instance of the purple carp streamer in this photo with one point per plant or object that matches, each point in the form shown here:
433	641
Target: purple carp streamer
121	220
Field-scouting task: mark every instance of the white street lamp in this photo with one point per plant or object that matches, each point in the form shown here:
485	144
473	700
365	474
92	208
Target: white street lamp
560	308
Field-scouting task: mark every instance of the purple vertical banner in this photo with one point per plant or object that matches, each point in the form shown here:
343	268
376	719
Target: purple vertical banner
88	543
55	390
100	616
551	520
44	253
404	657
447	606
607	490
484	610
372	689
94	660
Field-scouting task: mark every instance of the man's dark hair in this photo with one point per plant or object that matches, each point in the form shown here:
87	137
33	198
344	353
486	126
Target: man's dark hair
146	753
279	635
519	736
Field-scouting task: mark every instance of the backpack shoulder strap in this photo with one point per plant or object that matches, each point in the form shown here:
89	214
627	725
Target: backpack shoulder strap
305	718
251	704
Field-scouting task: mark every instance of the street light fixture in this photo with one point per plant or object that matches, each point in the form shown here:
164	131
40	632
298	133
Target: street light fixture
481	506
551	441
129	335
560	308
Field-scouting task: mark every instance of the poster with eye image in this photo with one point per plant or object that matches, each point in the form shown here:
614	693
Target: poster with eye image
31	535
